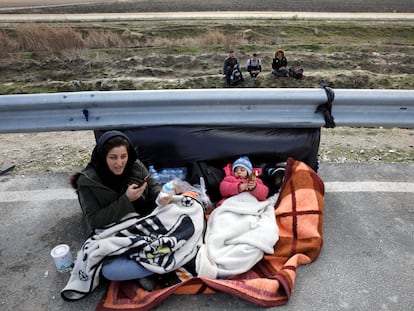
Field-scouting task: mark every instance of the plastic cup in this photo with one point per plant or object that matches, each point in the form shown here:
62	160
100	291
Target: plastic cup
62	258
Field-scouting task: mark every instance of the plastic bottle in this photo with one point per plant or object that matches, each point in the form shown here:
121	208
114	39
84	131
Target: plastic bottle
164	178
169	188
154	173
181	173
168	174
152	170
166	193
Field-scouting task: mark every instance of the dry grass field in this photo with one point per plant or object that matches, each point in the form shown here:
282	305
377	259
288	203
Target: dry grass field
158	54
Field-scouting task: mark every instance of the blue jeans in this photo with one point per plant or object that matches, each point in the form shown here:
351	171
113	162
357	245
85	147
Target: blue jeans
122	268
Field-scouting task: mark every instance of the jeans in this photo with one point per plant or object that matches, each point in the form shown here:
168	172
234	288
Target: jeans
280	73
122	268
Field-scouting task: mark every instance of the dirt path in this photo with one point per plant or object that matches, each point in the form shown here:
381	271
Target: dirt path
46	3
90	17
79	6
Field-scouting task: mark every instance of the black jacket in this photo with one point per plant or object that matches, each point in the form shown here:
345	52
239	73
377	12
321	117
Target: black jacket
229	62
277	63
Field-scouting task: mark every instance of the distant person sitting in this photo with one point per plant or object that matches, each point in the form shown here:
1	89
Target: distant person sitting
232	69
254	66
279	64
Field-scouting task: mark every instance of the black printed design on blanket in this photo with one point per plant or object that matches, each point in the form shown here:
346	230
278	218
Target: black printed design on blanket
158	249
83	276
161	242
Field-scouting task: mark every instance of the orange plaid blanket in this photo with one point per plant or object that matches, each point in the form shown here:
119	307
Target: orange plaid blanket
299	216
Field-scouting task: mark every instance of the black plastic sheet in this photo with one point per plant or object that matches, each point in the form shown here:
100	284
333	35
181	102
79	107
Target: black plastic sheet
175	146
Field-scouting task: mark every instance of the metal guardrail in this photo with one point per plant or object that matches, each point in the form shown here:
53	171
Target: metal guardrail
281	108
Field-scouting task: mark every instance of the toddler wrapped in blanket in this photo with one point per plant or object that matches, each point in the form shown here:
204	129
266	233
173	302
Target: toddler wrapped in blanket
242	227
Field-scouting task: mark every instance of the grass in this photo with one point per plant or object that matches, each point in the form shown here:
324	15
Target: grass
53	55
306	35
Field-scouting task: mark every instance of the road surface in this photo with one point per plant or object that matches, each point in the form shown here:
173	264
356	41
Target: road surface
366	263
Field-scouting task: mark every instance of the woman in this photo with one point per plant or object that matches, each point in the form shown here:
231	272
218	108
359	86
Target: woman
279	64
112	186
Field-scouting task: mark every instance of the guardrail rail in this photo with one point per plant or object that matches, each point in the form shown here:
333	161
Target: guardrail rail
278	108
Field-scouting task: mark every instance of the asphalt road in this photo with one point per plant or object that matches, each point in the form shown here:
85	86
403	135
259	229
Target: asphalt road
367	261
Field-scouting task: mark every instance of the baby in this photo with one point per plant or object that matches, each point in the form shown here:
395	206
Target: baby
240	177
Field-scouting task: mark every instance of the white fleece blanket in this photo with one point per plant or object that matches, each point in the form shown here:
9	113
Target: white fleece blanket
238	234
163	241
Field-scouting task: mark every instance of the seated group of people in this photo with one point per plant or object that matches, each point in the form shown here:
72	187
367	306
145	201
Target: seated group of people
233	72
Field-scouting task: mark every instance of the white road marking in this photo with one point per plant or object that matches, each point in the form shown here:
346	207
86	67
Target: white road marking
330	187
369	186
37	195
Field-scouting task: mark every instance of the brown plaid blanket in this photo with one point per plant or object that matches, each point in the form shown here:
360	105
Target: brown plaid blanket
299	216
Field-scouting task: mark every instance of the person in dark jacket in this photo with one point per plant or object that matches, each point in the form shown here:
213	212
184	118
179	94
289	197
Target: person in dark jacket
231	68
111	187
279	64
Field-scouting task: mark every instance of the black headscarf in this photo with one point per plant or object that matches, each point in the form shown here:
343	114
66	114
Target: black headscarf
119	183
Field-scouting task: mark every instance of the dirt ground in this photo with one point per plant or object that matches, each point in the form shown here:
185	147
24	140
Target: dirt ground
69	151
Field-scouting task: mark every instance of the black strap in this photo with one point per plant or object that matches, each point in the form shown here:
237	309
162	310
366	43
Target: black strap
86	114
326	108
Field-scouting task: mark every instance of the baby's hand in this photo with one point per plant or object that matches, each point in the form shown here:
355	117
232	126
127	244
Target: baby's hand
243	187
163	198
251	185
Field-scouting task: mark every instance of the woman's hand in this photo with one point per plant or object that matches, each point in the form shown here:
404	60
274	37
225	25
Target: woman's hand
134	192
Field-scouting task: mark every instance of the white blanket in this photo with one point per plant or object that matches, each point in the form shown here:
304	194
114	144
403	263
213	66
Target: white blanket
163	241
238	234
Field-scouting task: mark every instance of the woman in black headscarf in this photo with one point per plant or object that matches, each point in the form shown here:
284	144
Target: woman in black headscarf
112	186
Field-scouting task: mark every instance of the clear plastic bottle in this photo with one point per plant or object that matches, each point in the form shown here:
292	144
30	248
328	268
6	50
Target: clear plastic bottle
181	173
154	173
166	193
152	170
164	178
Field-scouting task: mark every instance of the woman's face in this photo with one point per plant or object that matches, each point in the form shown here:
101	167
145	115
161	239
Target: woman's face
117	159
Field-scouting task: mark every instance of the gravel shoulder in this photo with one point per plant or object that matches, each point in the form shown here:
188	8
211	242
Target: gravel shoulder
69	151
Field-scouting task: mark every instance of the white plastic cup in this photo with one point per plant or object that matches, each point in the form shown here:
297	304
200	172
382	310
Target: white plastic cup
62	258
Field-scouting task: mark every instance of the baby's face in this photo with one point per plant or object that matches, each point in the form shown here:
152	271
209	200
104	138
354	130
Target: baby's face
240	172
